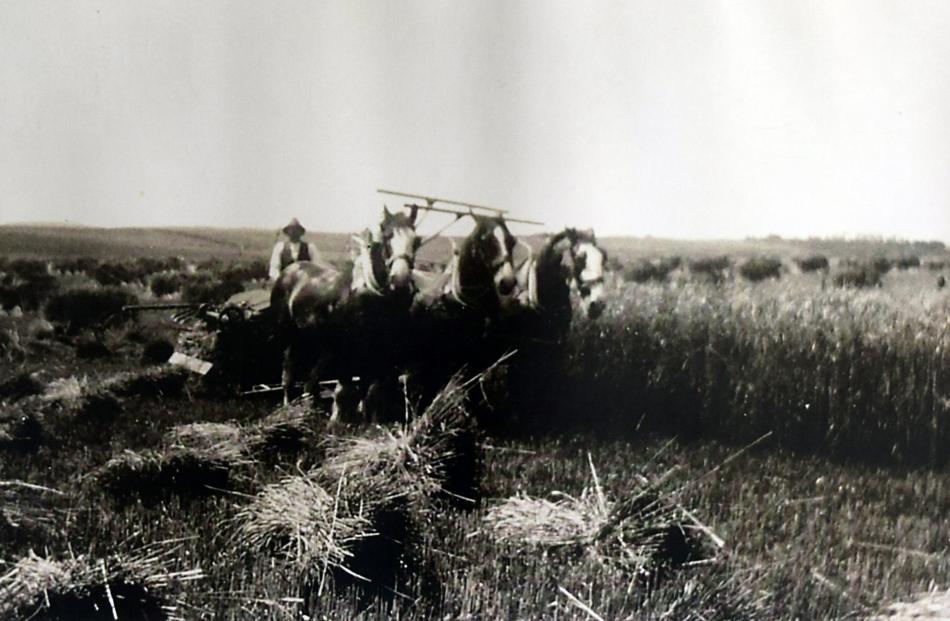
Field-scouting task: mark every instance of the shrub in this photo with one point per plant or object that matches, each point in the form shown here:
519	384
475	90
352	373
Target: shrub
882	265
640	271
859	277
711	269
20	428
254	269
34	293
643	270
87	308
9	297
145	266
91	349
213	264
19	386
26	269
709	265
614	264
812	263
908	262
112	274
85	265
761	268
157	351
166	284
204	290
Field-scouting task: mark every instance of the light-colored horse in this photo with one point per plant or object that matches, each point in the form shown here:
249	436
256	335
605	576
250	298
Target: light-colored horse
315	304
568	260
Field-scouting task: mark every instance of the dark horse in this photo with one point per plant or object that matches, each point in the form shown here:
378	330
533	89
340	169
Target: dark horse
351	322
539	322
455	320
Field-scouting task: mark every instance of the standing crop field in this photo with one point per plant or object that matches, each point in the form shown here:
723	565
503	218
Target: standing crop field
853	374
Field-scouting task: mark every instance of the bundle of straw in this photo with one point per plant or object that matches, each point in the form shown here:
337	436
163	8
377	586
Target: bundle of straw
66	390
642	534
25	510
287	429
411	463
75	409
565	521
135	587
155	382
297	520
151	475
222	442
19	386
20	428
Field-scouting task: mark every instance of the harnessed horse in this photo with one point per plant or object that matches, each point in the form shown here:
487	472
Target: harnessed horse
347	321
540	318
455	319
570	259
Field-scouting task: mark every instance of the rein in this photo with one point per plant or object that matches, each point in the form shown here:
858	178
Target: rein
440	231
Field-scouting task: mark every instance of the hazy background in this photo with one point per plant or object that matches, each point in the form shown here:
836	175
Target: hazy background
683	119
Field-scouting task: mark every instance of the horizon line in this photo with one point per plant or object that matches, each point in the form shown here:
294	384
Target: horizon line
847	237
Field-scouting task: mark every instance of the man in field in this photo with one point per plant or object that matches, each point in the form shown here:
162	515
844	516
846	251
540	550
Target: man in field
292	250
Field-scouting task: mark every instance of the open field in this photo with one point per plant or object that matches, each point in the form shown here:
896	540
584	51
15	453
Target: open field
838	510
29	241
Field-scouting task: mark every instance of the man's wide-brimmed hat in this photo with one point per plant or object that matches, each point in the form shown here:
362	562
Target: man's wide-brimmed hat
294	227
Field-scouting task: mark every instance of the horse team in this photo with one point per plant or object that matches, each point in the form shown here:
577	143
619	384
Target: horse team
380	317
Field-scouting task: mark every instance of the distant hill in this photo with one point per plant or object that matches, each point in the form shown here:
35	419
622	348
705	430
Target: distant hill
40	241
58	241
101	243
625	248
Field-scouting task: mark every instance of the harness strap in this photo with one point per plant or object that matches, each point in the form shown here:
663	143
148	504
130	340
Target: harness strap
405	255
442	230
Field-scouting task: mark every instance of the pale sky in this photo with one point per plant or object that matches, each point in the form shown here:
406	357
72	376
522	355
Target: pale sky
689	119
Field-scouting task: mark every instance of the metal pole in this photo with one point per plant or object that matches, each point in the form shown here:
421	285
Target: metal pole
432	199
459	212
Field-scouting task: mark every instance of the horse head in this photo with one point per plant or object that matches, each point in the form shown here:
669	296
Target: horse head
397	232
488	249
590	261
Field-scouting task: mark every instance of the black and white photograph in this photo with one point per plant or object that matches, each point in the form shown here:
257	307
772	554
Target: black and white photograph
467	310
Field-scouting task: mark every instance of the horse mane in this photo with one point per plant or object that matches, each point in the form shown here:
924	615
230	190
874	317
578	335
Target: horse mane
476	258
588	237
548	252
400	220
366	242
473	246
